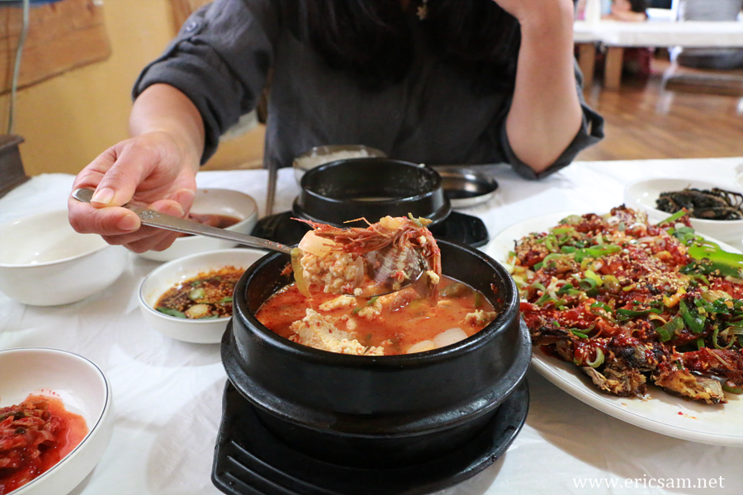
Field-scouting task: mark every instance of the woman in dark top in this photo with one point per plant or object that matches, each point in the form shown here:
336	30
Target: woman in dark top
432	81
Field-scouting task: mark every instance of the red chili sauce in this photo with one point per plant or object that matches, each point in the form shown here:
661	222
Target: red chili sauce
404	320
34	436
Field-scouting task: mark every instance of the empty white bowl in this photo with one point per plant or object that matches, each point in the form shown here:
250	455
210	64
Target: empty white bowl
214	202
84	390
44	262
174	272
643	194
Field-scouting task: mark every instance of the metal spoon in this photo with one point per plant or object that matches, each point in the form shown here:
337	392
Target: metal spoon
385	264
162	221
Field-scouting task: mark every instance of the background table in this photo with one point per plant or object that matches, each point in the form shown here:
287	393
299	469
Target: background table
167	394
617	36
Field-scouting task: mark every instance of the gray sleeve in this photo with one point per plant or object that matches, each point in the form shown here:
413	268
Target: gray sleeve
219	60
590	133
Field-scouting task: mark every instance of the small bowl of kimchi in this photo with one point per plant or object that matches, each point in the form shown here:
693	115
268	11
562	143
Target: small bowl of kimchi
58	406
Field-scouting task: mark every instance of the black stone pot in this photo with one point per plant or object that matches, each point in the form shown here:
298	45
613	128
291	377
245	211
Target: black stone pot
378	411
370	188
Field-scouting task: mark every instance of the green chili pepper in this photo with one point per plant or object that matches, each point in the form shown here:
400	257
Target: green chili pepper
603	306
693	320
728	264
591	275
668	331
578	333
631	313
225	300
700	343
568	249
728	386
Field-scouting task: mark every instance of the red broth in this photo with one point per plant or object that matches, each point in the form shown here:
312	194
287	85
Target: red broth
34	436
404	320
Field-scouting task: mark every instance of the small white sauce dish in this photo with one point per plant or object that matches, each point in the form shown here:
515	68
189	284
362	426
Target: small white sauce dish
44	262
83	389
177	271
213	202
643	194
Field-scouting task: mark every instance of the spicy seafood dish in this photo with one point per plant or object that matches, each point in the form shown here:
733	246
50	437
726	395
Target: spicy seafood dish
34	436
328	307
632	304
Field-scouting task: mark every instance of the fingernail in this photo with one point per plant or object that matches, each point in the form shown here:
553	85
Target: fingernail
103	196
128	223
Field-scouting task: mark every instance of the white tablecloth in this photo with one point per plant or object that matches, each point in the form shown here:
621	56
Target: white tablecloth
168	393
703	34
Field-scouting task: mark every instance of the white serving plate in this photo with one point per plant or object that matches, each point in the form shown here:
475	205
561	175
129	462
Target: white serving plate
84	390
720	424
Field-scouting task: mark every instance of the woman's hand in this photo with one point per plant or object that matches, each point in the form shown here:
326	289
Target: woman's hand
148	170
156	168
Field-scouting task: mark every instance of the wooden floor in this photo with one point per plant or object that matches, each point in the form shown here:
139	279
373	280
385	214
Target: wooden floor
643	120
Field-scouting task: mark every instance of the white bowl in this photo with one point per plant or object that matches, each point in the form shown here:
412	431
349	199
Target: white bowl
320	155
642	195
84	390
214	202
166	276
44	262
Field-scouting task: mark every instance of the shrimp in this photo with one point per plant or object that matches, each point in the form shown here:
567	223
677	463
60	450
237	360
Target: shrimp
395	232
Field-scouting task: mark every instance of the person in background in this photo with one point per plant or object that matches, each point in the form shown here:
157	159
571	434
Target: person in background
637	60
628	11
439	81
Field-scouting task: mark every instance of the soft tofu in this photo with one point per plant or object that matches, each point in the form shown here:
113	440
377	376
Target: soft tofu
338	303
317	331
480	317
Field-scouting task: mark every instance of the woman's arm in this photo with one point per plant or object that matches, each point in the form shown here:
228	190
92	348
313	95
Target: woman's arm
545	113
155	168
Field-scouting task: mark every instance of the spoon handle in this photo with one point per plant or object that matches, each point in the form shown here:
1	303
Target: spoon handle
162	221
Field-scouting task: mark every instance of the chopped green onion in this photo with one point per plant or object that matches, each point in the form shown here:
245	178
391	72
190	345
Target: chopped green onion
700	343
171	312
225	300
673	217
598	361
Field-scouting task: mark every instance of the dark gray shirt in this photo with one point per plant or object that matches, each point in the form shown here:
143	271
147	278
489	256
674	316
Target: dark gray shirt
221	58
